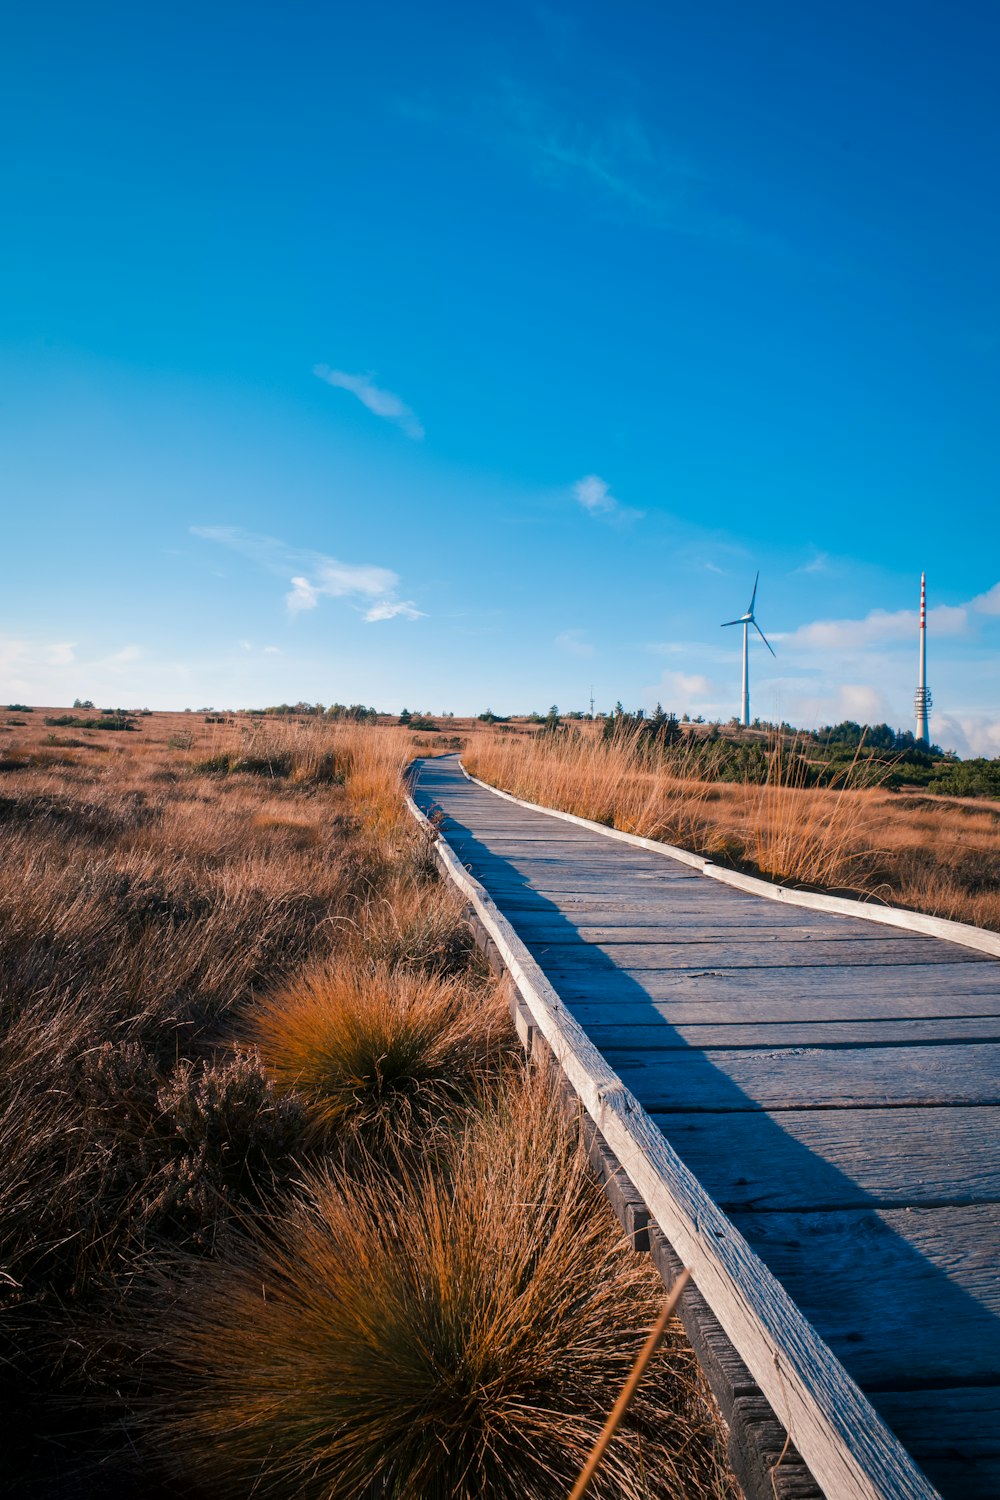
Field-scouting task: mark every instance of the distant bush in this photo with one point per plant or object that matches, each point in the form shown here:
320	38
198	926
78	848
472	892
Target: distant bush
356	713
966	778
112	719
21	708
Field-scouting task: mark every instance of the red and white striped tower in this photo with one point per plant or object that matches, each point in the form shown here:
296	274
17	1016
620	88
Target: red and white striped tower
922	697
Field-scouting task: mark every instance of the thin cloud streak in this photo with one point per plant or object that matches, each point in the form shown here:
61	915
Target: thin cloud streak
381	402
395	609
617	161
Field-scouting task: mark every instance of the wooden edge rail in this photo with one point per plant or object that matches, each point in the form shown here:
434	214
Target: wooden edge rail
850	1452
867	911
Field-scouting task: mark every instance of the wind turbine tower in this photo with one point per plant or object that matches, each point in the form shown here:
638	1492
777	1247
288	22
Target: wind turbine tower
922	697
746	621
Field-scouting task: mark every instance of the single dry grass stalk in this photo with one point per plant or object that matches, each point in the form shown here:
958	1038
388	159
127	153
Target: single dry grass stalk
458	1336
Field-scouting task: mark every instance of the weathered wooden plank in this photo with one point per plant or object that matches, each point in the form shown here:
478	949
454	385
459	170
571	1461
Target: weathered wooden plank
735	953
894	1292
716	982
850	1452
663	1035
715	1002
954	1434
843	1158
629	1007
803	1077
554	927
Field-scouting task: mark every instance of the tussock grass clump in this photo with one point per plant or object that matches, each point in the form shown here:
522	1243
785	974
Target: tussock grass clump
381	1054
463	1334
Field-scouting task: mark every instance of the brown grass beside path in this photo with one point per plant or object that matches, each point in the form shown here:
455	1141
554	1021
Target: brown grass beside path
459	1336
940	859
167	898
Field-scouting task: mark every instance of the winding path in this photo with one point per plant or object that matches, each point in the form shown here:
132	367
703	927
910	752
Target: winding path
831	1084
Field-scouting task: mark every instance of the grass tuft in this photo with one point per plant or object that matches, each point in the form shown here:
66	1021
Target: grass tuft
380	1054
460	1336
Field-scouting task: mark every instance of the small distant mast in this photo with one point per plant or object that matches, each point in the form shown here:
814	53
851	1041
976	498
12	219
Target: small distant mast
922	697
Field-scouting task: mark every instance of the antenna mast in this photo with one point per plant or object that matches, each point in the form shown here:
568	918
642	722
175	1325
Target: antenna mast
922	697
591	702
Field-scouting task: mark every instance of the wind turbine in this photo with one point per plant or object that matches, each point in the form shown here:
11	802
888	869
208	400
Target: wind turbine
746	621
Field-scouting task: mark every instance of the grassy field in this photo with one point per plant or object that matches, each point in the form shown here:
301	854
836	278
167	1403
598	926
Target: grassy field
282	1210
936	855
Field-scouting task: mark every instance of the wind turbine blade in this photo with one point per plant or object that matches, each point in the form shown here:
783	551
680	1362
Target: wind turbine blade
740	621
754	594
764	638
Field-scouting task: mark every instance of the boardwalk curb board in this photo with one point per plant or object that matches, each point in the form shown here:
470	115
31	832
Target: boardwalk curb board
849	1450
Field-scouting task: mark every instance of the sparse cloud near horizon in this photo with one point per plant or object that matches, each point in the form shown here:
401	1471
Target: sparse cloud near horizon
313	575
880	626
594	494
988	603
574	642
381	402
685	689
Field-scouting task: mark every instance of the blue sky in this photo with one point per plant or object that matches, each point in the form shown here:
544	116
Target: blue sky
458	356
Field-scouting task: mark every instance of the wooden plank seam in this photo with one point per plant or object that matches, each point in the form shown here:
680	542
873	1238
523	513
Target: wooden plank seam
849	1450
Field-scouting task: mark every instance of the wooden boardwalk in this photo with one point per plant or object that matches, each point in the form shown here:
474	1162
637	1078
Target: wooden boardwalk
832	1084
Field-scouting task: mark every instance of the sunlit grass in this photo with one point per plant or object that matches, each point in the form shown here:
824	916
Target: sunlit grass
459	1335
937	856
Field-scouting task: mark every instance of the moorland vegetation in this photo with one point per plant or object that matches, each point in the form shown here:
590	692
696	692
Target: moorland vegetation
283	1211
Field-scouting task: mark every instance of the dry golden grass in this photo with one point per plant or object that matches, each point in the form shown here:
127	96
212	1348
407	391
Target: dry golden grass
461	1336
383	1055
158	890
942	858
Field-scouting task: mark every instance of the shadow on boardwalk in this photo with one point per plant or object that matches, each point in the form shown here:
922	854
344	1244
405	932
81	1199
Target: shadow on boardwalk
908	1333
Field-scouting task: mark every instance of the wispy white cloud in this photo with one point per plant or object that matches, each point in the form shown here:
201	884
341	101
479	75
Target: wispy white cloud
818	564
880	626
313	575
392	609
378	400
594	494
712	567
302	595
574	642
